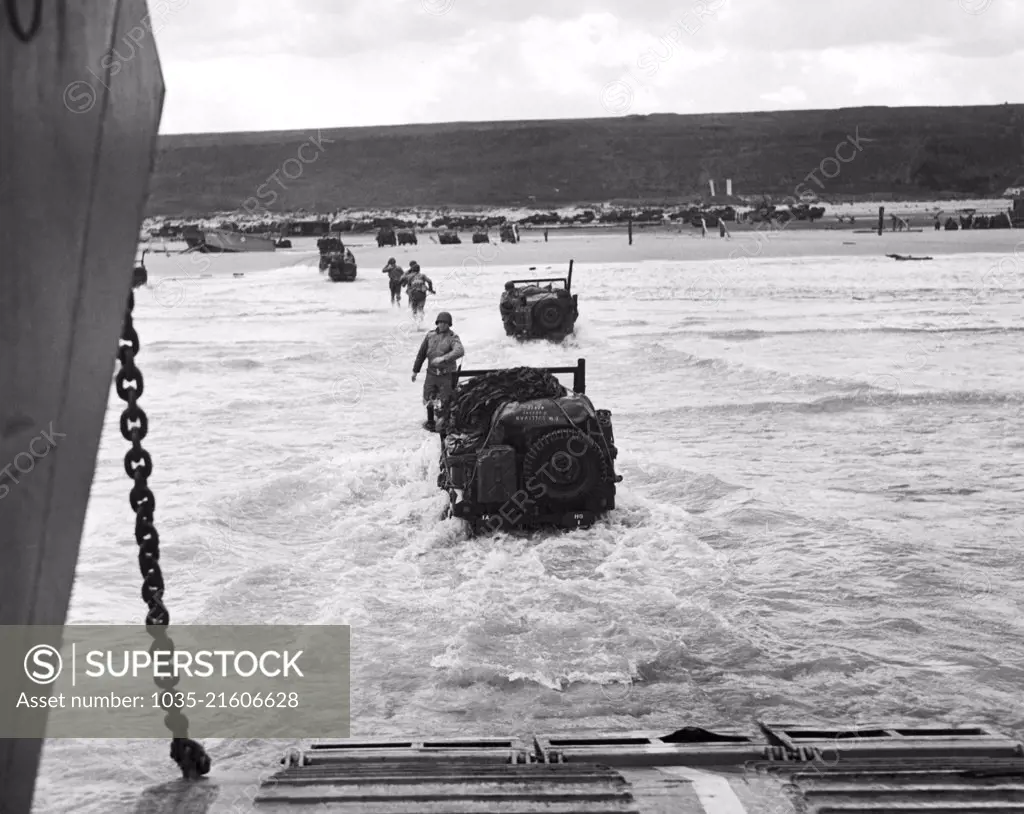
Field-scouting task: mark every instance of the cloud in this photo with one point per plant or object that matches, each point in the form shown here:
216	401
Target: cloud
293	64
786	97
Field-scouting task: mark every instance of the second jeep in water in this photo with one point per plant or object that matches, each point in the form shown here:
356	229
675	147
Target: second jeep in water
532	311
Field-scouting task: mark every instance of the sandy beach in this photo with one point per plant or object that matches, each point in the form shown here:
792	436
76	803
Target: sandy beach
599	245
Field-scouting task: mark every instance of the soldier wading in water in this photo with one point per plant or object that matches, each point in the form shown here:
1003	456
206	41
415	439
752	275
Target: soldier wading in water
395	275
417	284
441	349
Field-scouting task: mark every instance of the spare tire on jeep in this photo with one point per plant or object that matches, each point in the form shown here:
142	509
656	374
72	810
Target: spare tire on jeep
567	463
550	313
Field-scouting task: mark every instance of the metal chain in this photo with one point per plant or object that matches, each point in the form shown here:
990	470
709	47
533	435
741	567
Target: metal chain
138	465
14	18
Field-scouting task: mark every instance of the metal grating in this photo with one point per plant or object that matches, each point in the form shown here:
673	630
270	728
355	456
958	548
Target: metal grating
892	742
456	787
920	785
497	750
690	746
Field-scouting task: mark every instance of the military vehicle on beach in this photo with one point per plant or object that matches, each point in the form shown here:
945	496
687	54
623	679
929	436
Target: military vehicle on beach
448	236
328	247
342	267
1017	211
519	451
336	260
530	310
386	237
407	237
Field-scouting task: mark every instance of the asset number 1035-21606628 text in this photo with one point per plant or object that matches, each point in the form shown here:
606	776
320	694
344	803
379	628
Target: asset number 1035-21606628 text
225	700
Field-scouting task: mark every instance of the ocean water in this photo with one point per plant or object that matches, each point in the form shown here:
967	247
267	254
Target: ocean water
820	517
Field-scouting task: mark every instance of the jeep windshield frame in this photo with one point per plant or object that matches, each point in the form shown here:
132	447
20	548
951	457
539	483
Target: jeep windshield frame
566	281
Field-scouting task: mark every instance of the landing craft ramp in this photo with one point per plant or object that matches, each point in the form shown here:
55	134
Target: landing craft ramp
772	769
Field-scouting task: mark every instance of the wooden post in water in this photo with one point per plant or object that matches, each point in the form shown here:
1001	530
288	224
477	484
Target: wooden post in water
881	219
631	231
77	145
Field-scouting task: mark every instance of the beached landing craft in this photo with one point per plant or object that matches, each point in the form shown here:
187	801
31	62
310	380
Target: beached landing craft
532	311
218	241
87	170
520	451
905	257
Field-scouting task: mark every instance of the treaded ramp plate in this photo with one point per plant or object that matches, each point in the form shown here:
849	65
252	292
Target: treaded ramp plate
454	786
690	746
461	787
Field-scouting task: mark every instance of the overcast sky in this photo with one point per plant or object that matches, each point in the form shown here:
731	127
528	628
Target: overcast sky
298	64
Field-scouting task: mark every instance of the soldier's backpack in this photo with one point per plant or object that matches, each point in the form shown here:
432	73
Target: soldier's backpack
417	285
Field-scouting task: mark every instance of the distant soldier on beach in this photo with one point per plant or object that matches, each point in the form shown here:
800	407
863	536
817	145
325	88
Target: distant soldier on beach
417	284
703	227
395	275
722	231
